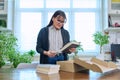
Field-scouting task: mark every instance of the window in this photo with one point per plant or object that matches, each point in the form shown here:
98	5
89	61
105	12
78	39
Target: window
85	27
83	19
57	3
29	29
29	3
84	3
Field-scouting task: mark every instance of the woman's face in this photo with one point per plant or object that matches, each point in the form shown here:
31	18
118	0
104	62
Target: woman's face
58	22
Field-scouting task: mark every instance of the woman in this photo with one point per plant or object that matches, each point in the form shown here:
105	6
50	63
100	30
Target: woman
51	38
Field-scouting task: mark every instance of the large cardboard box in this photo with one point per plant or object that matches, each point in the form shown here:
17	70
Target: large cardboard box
69	66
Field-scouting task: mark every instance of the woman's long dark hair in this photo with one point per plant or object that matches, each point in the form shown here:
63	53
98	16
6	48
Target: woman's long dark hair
58	12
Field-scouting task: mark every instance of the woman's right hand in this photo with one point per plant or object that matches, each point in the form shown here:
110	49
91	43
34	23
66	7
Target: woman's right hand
50	53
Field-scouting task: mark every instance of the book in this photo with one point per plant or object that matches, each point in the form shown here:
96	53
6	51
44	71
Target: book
69	66
47	68
69	45
109	21
97	65
50	77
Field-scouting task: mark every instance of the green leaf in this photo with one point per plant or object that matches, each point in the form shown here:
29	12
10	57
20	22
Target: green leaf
100	39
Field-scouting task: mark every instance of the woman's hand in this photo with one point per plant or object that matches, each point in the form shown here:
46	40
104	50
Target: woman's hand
50	53
72	50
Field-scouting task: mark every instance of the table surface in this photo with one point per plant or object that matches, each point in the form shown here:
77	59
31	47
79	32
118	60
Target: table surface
31	74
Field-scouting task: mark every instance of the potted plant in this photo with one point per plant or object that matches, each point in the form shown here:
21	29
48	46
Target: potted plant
9	51
101	39
7	46
18	58
79	48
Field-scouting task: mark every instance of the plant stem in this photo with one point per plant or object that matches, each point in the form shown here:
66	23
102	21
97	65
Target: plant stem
100	49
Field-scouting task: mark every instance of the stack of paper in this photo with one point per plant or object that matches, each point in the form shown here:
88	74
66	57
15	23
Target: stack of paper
48	68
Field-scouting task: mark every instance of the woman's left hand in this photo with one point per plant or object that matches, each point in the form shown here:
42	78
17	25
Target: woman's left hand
72	50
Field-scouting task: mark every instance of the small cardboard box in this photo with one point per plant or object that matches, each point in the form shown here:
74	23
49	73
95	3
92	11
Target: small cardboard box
69	66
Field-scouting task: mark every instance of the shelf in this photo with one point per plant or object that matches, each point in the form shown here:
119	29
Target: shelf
114	13
4	29
117	29
3	13
3	7
114	7
115	2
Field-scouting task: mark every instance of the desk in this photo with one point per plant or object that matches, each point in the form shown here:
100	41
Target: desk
30	74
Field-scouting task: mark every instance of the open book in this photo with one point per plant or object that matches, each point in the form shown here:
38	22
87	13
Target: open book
96	65
69	45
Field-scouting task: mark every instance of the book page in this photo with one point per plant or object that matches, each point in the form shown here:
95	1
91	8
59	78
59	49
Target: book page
97	65
48	66
102	69
69	45
103	65
100	62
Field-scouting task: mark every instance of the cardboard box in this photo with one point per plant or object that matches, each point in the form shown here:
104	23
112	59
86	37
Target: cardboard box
69	66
